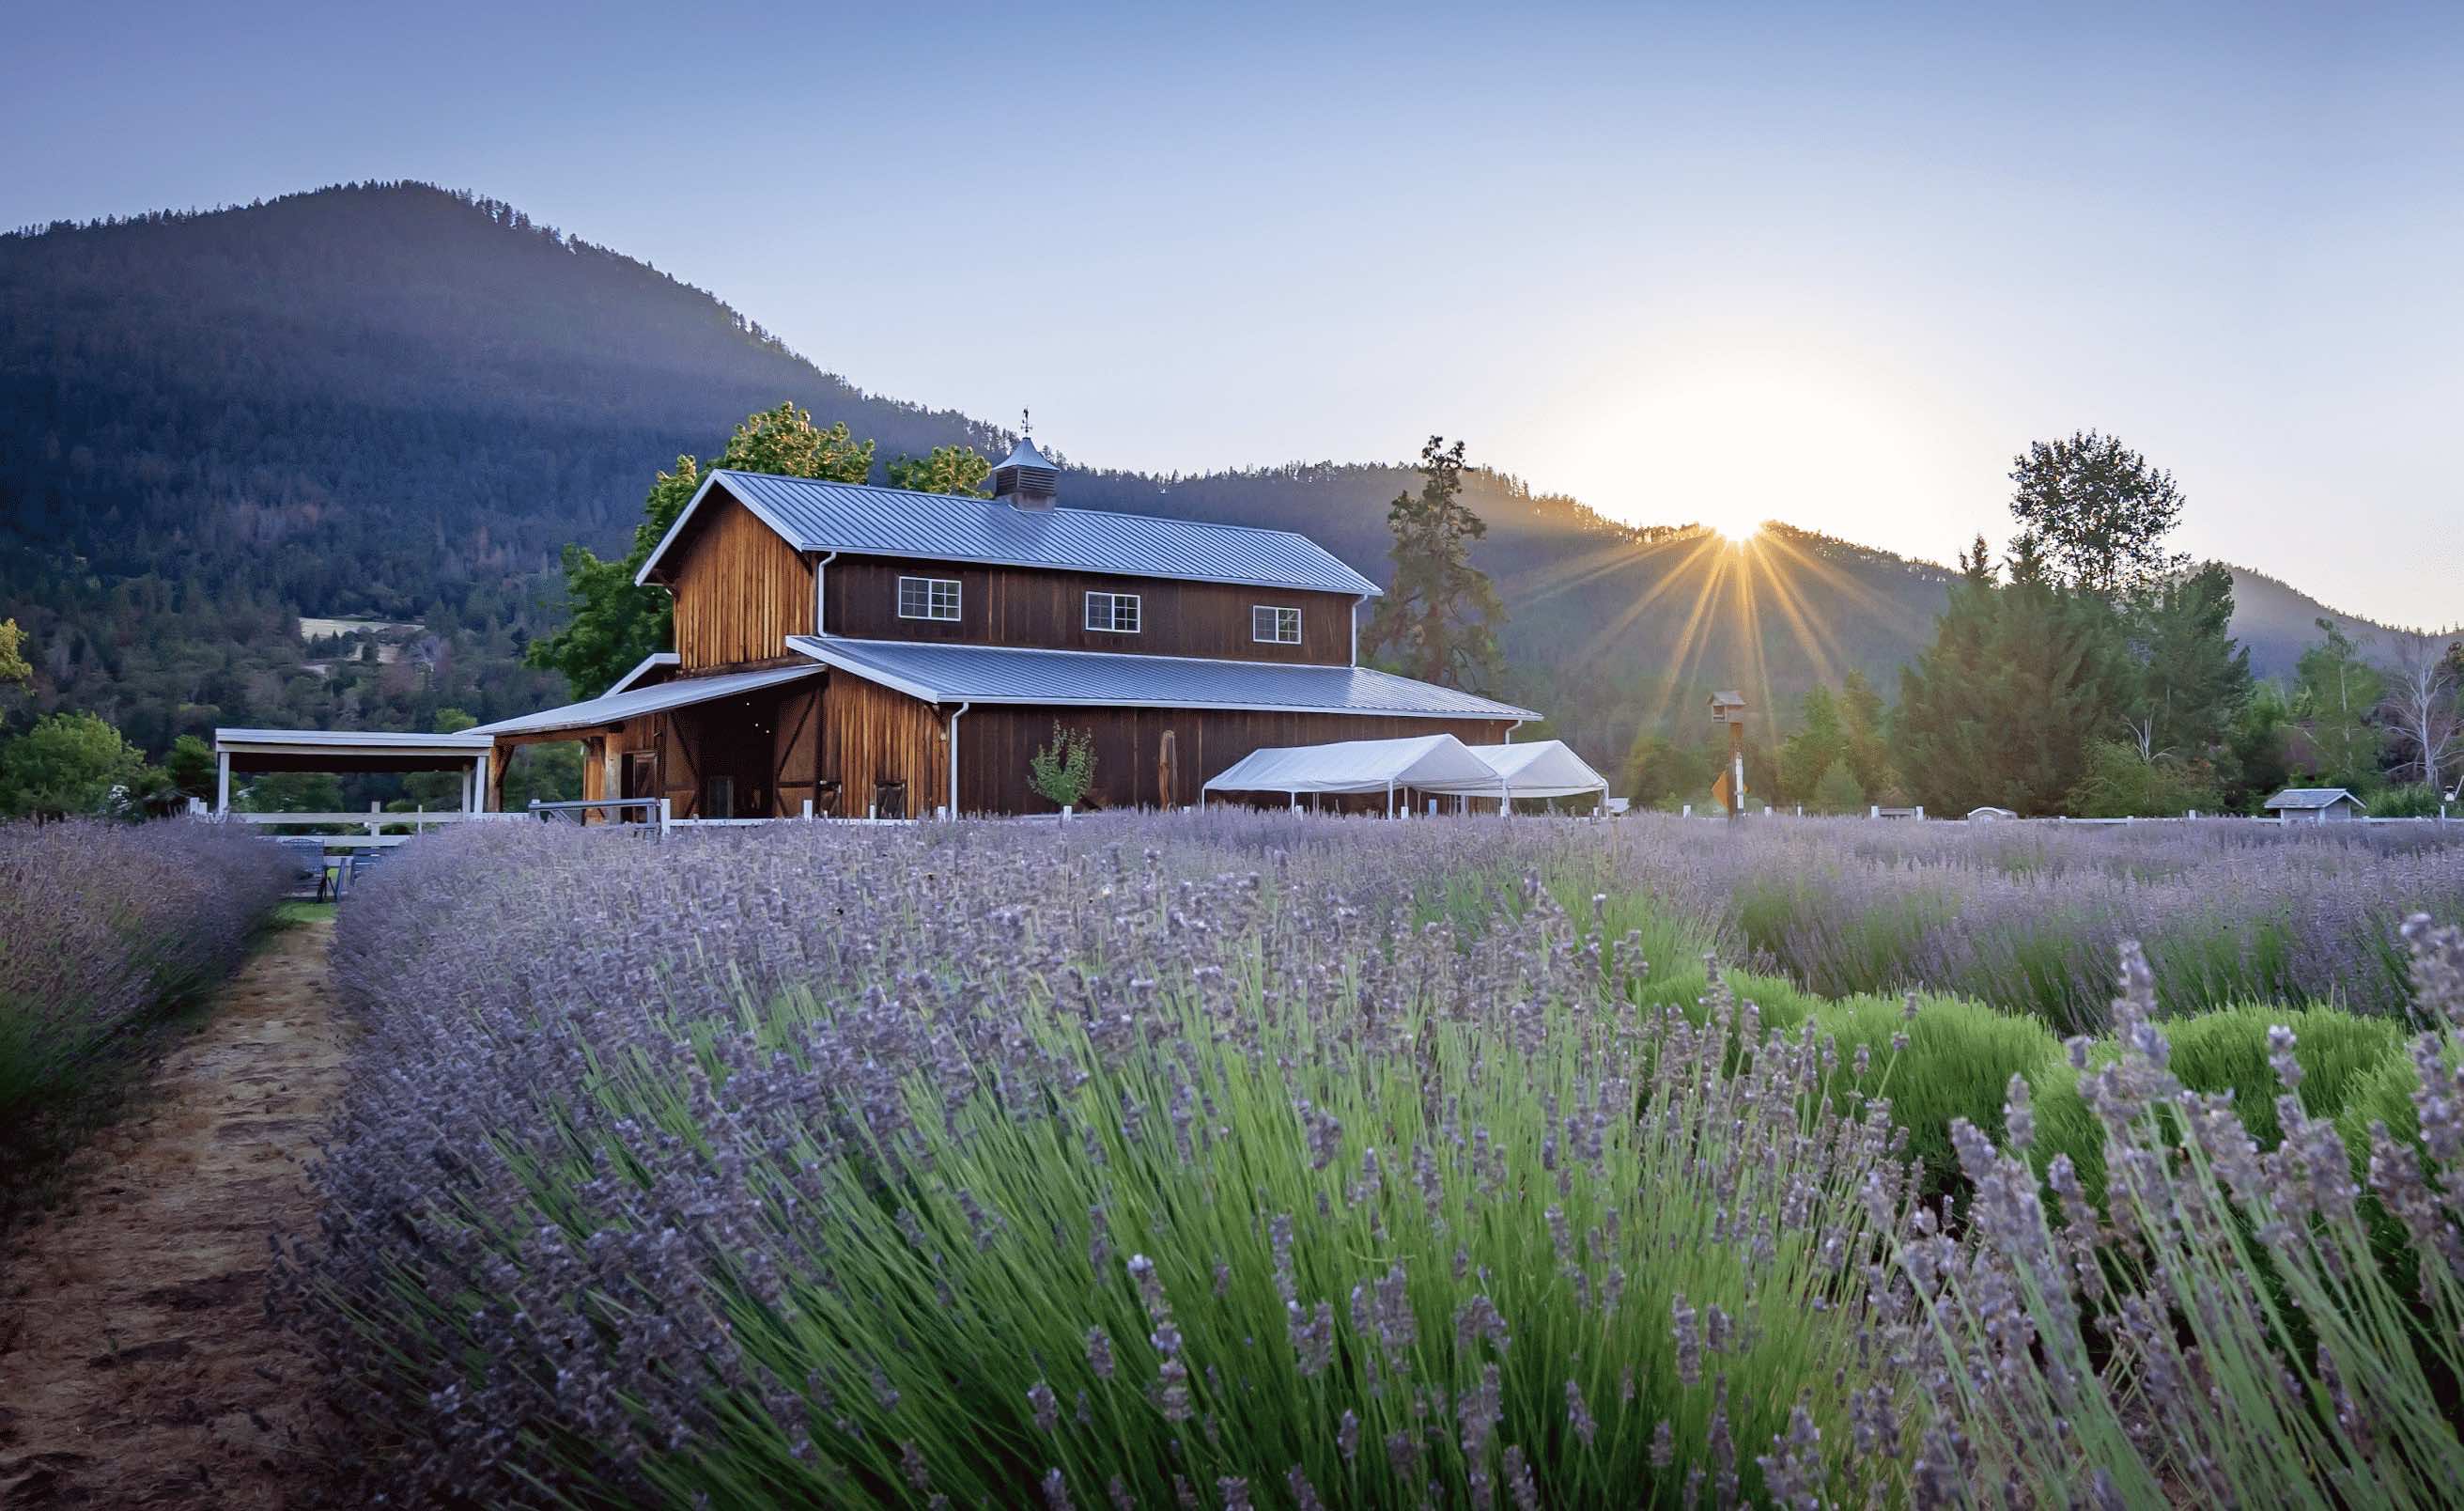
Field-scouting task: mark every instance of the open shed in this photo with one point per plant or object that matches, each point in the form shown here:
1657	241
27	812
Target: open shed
1426	762
247	753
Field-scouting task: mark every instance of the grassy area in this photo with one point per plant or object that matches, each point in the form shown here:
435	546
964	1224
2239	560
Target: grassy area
292	911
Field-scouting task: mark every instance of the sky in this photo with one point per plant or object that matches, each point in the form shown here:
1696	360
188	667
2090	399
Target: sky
1824	264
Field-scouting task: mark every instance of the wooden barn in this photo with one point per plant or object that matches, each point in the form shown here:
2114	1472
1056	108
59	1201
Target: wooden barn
875	652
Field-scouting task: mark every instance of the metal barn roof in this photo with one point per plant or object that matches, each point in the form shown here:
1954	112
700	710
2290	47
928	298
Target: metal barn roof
988	673
361	740
858	518
616	707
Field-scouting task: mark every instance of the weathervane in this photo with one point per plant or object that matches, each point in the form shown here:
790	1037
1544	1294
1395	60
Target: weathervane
1025	425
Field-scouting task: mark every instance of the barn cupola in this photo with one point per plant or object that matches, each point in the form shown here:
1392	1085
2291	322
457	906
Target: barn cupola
1026	478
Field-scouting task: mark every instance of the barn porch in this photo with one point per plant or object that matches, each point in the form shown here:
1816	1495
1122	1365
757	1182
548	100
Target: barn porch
778	741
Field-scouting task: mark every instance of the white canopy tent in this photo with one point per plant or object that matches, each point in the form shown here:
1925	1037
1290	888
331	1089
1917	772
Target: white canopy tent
1430	762
1541	769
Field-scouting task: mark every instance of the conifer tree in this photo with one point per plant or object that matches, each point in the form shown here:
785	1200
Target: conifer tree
1440	616
2001	707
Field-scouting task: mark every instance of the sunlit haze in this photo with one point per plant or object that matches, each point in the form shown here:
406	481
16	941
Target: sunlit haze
1814	266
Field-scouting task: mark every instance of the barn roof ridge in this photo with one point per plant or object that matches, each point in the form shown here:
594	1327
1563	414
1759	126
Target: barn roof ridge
870	519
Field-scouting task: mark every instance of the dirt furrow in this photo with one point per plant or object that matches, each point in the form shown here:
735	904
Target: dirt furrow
137	1366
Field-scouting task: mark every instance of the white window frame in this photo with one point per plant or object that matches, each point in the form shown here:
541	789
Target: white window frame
1282	617
1112	616
932	605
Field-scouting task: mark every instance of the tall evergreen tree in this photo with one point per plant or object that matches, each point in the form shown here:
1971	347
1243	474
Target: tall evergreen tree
1820	742
1441	615
2192	679
2001	707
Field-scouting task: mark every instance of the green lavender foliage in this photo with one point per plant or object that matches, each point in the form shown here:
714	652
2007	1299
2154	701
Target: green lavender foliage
2222	1330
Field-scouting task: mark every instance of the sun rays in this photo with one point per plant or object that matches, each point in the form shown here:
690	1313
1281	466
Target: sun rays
1736	604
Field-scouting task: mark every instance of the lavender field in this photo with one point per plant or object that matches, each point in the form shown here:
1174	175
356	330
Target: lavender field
1249	1160
102	927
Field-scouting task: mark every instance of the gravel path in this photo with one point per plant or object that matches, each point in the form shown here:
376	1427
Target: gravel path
137	1366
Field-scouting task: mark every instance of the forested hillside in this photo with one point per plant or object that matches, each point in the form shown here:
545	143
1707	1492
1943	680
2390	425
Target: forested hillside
397	403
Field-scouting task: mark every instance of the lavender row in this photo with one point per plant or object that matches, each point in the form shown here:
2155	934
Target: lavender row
2031	919
100	924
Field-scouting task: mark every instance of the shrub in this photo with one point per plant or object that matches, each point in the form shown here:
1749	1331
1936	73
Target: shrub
2406	800
2249	1351
1063	771
1838	790
2228	1054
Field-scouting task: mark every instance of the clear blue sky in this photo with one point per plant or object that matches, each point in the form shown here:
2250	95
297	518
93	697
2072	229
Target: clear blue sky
1725	263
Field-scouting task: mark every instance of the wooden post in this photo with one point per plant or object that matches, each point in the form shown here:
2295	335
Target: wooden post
222	781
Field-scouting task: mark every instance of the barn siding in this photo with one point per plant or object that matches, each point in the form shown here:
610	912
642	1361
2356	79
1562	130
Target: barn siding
1032	606
740	589
871	734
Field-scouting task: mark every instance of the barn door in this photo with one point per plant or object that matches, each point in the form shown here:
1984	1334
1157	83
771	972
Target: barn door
1165	753
680	773
796	751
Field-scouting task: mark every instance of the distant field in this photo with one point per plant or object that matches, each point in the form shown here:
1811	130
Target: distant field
313	629
1235	1158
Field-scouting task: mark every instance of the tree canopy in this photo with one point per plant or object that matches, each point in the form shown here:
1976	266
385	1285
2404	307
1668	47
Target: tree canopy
65	763
615	623
2001	707
2098	513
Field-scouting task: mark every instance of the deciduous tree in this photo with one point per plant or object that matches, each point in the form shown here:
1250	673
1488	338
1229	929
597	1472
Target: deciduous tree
958	471
2099	512
615	623
2422	706
14	667
65	763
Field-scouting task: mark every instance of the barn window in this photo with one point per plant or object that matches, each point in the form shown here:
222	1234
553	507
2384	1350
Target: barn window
1274	625
1118	613
928	598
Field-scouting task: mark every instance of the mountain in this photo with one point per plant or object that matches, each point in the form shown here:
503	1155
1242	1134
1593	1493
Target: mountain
392	405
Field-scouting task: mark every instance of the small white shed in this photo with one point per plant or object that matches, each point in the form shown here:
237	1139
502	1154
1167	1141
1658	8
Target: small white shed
2316	805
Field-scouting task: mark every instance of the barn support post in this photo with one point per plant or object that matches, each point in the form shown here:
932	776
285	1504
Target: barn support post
222	781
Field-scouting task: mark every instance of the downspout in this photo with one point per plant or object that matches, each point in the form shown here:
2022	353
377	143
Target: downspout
1358	599
821	603
954	753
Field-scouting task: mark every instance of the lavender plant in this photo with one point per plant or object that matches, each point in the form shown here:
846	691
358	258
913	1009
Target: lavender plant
101	926
2030	919
2228	1335
1139	1164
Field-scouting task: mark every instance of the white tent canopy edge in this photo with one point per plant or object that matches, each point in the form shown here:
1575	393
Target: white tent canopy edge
1430	762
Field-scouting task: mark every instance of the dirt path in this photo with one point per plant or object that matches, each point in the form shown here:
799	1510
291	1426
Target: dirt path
137	1366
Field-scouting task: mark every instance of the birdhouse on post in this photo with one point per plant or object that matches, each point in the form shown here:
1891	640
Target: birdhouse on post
1730	708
